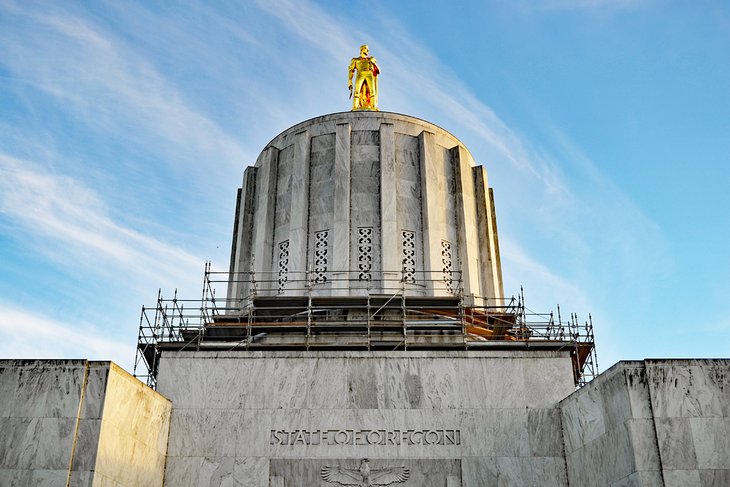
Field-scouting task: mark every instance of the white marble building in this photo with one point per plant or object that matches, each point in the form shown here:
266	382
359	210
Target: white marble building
358	200
365	340
273	419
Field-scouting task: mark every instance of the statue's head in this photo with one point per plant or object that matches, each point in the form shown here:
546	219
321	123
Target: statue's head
364	50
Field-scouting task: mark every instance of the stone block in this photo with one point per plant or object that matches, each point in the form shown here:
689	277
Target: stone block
504	384
582	417
510	433
323	142
641	479
638	390
643	438
363	157
544	471
87	443
615	400
510	472
714	478
96	383
52	478
479	471
205	432
82	479
676	445
184	471
41	388
13	477
711	439
246	395
36	443
545	432
365	137
322	163
688	388
681	478
591	465
545	384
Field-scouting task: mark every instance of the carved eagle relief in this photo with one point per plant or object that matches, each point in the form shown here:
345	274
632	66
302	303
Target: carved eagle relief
365	476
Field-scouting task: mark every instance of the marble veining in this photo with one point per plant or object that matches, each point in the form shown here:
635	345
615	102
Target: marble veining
388	172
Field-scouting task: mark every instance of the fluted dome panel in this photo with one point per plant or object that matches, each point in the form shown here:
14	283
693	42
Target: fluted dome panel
365	202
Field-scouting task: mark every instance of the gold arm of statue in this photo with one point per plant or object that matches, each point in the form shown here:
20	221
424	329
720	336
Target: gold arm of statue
350	72
365	92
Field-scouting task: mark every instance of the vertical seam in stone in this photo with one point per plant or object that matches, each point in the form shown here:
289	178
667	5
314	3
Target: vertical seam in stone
481	194
248	221
271	217
78	421
466	225
562	433
266	228
653	423
495	236
389	250
425	142
342	205
299	207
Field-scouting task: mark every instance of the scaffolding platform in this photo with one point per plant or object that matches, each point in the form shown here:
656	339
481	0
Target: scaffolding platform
371	320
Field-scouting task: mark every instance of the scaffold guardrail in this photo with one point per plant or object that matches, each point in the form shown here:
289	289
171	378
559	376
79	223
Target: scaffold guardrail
399	311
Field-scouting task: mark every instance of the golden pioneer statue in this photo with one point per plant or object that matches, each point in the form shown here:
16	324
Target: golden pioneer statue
365	96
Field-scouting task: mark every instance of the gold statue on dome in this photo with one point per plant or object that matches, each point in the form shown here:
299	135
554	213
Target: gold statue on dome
365	96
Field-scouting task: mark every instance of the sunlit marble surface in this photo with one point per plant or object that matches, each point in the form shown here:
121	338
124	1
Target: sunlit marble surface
89	423
227	403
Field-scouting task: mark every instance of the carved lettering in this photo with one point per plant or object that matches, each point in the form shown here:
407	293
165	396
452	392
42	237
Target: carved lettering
337	437
392	438
300	438
450	437
374	437
433	437
276	439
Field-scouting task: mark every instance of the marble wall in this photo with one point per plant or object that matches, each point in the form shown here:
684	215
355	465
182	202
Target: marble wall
407	188
241	418
451	419
85	423
651	423
133	433
690	401
42	416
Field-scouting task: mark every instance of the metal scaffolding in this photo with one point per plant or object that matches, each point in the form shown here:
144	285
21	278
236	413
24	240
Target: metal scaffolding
418	312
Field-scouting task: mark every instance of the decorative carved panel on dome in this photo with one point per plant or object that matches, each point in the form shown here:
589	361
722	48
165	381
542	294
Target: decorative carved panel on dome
409	256
321	243
283	265
448	265
365	253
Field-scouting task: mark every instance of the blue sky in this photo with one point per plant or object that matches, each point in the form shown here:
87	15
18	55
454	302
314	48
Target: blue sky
604	126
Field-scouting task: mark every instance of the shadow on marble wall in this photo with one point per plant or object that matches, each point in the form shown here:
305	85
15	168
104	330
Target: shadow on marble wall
79	422
652	422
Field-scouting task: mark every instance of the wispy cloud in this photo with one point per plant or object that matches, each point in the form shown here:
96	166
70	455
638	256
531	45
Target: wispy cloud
553	288
112	88
119	84
411	86
596	234
27	334
69	215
